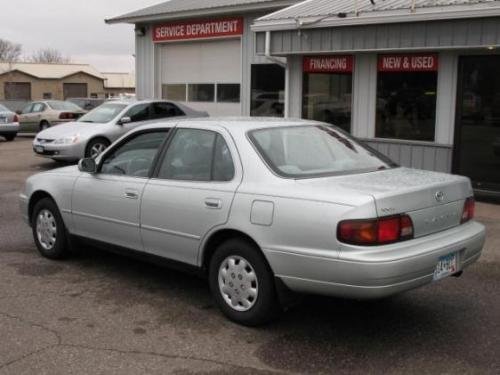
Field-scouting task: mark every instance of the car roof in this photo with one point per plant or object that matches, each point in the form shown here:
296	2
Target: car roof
239	123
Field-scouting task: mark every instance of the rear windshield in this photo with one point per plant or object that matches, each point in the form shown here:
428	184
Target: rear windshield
63	106
104	113
315	151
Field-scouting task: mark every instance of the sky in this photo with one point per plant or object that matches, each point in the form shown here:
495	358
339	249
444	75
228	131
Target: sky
74	27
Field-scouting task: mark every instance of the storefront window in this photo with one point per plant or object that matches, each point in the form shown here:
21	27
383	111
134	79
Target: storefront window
201	92
327	90
268	90
406	97
176	92
228	93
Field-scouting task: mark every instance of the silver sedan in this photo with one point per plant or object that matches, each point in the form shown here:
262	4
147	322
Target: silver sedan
265	208
95	131
9	123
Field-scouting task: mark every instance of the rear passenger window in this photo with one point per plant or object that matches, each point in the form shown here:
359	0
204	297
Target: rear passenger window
197	155
165	110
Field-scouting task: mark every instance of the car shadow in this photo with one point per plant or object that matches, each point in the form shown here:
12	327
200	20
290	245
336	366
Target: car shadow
319	334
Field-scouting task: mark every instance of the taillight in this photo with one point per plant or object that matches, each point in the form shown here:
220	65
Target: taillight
469	208
66	116
15	118
379	231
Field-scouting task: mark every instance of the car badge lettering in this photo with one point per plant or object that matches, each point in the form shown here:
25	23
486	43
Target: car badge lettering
439	196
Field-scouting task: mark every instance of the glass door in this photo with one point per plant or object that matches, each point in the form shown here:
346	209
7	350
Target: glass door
477	142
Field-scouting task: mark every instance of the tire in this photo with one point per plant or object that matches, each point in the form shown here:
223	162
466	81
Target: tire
93	147
240	305
44	125
49	231
10	137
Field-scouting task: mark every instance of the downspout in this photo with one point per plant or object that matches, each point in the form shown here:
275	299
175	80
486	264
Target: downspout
283	63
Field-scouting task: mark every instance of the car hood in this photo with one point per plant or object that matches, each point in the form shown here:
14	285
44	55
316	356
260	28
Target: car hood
70	129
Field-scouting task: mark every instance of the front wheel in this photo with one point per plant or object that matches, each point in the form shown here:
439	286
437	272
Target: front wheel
243	284
96	147
49	231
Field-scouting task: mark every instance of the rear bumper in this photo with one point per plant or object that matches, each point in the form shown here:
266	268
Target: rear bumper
377	272
11	128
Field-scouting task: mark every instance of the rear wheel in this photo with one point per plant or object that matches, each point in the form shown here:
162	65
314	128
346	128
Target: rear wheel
49	231
44	125
243	284
96	147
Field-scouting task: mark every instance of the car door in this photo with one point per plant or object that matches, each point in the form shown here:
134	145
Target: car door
35	116
190	193
24	118
105	205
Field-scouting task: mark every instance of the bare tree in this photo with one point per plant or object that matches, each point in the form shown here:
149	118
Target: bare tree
49	56
9	52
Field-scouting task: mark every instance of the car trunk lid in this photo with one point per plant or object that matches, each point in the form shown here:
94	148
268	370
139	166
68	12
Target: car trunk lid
434	201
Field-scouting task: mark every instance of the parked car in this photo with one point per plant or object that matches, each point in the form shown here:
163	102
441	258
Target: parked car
42	115
9	123
262	207
96	130
87	104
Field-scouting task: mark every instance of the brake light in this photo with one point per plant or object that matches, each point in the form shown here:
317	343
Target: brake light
15	118
66	116
379	231
469	208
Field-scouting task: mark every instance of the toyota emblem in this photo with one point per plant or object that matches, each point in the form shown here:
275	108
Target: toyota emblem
439	196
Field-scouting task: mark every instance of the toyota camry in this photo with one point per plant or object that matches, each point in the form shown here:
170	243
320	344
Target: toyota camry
264	208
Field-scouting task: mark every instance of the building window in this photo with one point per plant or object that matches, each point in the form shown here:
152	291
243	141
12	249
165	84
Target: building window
47	95
93	95
406	97
328	90
201	92
228	93
268	90
176	92
17	91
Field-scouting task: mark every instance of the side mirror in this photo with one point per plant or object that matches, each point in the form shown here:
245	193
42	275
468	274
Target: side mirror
87	165
124	120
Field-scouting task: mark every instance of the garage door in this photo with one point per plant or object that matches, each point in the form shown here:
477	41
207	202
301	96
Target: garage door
75	90
17	91
206	75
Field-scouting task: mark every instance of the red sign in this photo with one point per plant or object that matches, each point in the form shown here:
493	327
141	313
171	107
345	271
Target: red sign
217	28
408	63
328	64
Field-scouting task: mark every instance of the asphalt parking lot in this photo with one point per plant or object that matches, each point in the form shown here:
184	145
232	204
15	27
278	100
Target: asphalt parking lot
100	313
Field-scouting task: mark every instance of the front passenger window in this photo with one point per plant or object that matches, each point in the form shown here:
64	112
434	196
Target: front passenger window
138	113
135	157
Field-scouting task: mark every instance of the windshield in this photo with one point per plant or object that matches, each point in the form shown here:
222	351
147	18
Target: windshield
63	106
104	113
3	109
315	151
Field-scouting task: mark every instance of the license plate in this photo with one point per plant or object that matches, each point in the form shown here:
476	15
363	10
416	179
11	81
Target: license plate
39	149
447	265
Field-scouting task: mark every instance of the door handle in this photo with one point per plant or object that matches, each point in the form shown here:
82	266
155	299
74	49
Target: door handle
131	194
213	203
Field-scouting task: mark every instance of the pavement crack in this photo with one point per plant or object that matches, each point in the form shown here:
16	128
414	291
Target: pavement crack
169	356
33	324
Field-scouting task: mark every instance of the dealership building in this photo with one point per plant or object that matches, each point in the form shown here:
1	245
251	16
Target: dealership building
419	80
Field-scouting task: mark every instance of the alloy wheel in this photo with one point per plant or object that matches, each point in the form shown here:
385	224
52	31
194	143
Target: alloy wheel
46	229
97	149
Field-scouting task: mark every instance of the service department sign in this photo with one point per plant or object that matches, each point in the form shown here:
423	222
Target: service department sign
200	29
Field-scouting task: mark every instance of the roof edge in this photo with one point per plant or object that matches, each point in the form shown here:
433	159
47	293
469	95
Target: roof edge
377	17
244	8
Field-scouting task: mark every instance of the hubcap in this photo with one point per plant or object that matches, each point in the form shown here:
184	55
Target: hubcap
46	229
97	149
238	283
